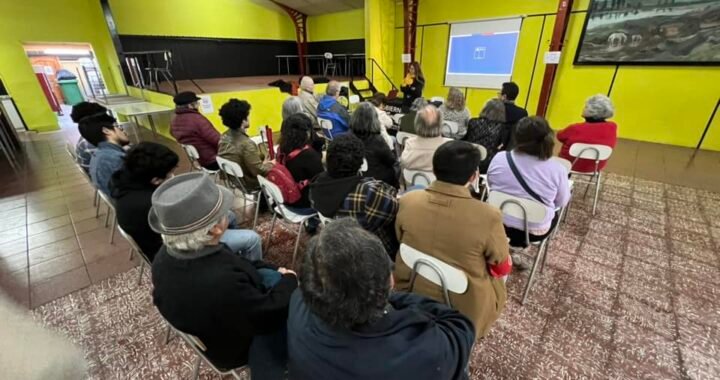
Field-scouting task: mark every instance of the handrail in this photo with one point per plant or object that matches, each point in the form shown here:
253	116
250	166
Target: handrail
372	73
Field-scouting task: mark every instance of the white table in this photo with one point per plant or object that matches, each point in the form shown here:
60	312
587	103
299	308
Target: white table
133	110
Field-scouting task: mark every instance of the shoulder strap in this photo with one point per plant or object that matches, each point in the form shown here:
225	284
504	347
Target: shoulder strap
283	158
520	179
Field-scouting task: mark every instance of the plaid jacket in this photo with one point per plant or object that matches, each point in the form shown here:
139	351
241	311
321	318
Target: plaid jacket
374	204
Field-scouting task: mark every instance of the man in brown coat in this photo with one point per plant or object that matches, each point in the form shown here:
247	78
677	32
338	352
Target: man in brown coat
445	222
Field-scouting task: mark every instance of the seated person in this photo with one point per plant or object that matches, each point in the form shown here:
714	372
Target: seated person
293	105
330	109
380	159
419	150
303	162
378	100
349	324
102	131
190	127
546	178
309	101
453	109
83	149
237	308
147	166
487	130
407	121
595	130
342	191
513	113
236	145
445	222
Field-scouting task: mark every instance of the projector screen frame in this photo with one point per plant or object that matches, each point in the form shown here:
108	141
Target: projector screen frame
449	38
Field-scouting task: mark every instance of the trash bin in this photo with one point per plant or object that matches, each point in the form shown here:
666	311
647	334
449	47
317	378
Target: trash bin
71	91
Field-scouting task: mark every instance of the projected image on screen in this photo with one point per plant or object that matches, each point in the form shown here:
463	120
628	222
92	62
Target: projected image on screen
482	54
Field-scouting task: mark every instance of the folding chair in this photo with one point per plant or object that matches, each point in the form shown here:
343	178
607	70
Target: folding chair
437	99
199	347
194	158
96	199
529	211
233	180
110	209
276	204
327	125
449	278
403	136
330	65
135	249
568	166
417	177
597	153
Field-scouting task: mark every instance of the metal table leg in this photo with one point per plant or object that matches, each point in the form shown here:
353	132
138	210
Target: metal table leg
152	126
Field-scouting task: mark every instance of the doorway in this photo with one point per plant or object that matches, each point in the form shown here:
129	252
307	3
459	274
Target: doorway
68	73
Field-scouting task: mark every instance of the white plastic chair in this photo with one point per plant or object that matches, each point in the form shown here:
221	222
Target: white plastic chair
327	125
449	278
233	180
276	204
330	65
417	177
450	128
529	211
194	158
594	152
135	250
364	167
403	136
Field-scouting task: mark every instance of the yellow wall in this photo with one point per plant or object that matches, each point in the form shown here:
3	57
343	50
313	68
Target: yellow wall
669	105
49	21
349	25
250	19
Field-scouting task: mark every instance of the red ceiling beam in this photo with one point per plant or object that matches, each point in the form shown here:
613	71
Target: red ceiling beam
300	21
556	44
410	12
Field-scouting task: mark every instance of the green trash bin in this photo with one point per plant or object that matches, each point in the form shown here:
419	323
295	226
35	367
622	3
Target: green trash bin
71	91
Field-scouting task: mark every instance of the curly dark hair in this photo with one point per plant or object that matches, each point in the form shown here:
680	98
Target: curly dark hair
86	109
345	156
91	127
295	132
234	112
345	276
148	160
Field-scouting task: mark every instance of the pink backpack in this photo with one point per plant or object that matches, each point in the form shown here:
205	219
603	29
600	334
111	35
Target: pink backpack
281	177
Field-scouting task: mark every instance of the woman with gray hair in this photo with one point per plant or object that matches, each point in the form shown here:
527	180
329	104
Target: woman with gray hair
294	105
486	130
381	161
595	130
291	106
454	110
407	122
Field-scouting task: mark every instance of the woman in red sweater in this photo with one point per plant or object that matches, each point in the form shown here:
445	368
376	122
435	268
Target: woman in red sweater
595	130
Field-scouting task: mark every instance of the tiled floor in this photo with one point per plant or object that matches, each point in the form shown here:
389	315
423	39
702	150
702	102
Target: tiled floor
629	293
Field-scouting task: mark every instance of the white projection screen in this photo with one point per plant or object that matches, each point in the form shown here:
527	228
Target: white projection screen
481	54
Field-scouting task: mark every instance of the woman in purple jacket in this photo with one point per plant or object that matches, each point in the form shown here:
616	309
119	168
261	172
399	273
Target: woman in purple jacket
547	178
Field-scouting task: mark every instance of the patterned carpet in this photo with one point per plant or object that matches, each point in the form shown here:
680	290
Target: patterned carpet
633	292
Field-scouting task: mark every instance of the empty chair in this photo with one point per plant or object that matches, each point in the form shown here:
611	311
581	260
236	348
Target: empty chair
135	250
330	65
449	278
276	204
233	180
450	128
529	211
594	152
417	177
194	158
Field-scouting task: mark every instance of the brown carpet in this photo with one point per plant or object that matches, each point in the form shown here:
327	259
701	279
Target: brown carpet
633	292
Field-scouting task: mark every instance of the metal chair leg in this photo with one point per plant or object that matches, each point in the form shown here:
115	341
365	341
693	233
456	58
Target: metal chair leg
107	216
196	371
112	228
257	211
132	251
297	243
269	238
533	272
97	208
96	199
167	334
597	192
142	269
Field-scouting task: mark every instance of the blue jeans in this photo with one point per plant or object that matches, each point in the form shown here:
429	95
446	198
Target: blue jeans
246	243
268	353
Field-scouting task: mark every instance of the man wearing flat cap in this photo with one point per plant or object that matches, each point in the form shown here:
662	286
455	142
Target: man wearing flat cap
237	308
190	127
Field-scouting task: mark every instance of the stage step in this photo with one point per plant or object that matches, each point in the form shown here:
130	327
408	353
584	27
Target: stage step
363	88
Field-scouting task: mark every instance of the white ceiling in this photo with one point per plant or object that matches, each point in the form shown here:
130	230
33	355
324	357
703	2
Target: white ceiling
318	7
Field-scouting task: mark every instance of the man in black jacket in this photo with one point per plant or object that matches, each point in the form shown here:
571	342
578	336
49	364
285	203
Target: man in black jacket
513	113
237	308
349	324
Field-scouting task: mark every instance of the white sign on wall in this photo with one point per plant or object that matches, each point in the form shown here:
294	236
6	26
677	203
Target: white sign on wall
552	57
406	58
206	105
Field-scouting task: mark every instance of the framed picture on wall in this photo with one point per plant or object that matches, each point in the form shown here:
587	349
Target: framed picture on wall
651	32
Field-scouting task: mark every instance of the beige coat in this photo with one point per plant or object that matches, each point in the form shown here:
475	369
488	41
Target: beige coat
418	152
444	221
